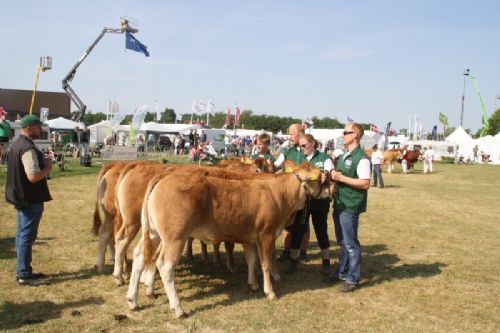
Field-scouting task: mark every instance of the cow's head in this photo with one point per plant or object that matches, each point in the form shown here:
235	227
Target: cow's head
308	175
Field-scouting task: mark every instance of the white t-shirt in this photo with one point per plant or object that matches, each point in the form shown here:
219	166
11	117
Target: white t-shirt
377	157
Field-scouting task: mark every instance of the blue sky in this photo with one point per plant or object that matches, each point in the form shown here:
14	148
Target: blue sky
376	61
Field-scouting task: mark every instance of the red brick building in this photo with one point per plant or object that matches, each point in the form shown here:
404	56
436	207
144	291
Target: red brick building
17	102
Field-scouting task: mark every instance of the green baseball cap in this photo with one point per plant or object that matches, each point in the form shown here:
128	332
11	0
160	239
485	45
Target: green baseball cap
30	120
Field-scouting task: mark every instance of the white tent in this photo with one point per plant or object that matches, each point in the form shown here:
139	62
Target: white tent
490	145
464	141
61	123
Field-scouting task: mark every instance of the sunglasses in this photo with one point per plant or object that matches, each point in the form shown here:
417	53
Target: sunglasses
303	146
347	132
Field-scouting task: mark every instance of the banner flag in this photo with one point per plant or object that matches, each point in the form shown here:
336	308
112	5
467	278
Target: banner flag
237	117
484	118
132	43
211	107
374	128
443	119
228	117
194	107
201	108
388	128
348	120
178	117
139	115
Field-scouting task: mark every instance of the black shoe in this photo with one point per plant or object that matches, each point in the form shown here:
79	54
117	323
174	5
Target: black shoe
303	256
28	281
332	278
347	287
326	268
285	255
292	268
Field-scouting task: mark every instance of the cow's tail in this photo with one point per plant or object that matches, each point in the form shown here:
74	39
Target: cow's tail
97	220
148	250
96	225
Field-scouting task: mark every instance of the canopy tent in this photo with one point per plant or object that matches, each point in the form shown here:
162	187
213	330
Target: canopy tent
62	123
490	145
464	141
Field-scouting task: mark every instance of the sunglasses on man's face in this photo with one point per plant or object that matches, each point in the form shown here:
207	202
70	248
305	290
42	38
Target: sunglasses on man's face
347	132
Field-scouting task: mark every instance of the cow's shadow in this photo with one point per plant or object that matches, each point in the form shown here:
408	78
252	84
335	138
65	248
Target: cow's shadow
198	279
18	315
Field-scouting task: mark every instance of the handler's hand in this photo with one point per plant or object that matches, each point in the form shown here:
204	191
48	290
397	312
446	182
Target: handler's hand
336	175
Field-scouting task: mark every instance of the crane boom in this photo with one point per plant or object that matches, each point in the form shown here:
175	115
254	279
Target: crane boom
124	27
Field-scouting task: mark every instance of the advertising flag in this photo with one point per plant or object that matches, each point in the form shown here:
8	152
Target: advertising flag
194	107
348	120
211	107
201	108
133	44
374	128
228	117
139	115
237	117
443	118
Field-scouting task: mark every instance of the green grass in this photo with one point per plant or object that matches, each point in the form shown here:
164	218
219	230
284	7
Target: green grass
430	264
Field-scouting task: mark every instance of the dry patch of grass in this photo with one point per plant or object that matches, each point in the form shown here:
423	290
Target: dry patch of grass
430	264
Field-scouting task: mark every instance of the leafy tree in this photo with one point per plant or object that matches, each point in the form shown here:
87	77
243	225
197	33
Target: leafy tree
494	122
167	116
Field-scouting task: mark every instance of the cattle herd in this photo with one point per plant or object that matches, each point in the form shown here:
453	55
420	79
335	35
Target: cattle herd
233	202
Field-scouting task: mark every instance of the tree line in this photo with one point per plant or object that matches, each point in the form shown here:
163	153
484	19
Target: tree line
275	124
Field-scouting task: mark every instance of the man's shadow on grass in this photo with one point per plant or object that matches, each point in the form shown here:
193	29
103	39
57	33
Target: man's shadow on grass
379	267
14	316
7	248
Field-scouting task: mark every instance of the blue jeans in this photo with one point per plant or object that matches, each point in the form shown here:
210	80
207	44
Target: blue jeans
346	231
377	174
28	219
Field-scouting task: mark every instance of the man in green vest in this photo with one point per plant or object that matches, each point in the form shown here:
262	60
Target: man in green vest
293	153
352	177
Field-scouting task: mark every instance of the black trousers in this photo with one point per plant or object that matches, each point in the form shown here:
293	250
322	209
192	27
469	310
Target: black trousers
318	210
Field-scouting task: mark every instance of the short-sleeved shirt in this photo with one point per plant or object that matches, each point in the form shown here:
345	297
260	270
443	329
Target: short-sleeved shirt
4	129
363	169
30	162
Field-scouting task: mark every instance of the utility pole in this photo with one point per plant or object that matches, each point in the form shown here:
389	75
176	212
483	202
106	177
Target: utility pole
466	73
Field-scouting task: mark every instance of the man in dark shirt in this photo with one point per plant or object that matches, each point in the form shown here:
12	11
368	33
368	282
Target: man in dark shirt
26	188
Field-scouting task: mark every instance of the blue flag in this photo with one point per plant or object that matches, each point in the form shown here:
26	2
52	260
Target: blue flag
132	43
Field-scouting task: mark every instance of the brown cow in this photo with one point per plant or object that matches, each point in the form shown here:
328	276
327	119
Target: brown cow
130	189
391	156
214	210
105	205
413	157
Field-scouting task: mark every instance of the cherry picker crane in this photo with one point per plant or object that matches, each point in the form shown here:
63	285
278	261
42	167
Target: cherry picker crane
125	26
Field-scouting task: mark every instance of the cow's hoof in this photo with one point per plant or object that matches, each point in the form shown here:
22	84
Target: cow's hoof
272	296
99	269
132	304
119	281
180	314
253	288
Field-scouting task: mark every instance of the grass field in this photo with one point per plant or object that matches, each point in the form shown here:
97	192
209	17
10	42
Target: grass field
431	263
